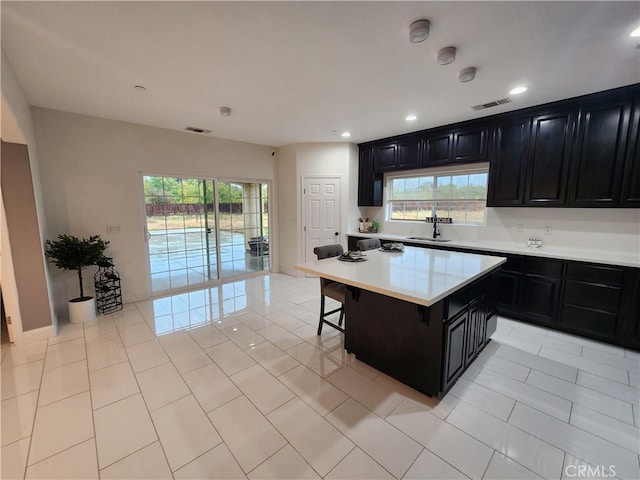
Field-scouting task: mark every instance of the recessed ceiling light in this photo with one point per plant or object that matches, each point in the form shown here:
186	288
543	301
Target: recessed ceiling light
346	134
518	90
467	74
225	111
140	88
411	118
636	32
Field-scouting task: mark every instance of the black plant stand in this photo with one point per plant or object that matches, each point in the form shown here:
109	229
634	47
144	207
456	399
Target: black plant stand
107	284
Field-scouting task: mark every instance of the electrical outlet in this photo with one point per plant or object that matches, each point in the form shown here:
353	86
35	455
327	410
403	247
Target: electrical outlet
519	227
113	228
548	229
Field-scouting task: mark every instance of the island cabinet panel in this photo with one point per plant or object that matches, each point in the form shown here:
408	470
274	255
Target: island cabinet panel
631	178
455	344
598	160
507	170
399	338
549	156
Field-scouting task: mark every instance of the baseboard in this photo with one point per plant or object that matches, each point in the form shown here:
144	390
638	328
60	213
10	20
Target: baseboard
35	335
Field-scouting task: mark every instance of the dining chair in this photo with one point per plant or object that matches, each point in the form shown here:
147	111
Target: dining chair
331	289
368	244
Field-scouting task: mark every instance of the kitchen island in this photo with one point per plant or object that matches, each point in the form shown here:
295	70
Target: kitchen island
420	315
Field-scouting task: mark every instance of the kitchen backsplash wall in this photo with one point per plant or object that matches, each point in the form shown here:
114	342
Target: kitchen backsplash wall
580	228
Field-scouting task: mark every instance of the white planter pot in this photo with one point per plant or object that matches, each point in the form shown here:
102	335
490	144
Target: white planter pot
81	311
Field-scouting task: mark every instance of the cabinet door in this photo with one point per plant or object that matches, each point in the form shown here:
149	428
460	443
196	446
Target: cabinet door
549	157
540	298
384	157
508	163
407	154
369	182
439	149
508	292
454	349
598	160
470	145
631	182
481	324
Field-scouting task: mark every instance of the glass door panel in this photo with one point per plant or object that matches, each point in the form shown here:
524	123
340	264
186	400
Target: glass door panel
201	230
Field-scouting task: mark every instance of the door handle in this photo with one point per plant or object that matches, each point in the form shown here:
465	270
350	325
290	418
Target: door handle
336	234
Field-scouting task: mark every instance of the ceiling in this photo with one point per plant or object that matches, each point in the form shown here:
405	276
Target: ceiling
295	72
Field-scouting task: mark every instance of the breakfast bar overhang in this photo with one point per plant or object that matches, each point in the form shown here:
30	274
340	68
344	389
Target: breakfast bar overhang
419	315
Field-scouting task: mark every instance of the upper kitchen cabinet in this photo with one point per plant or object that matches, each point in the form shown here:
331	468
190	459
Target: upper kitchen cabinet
631	177
451	145
437	148
509	149
549	156
384	156
369	182
599	155
400	154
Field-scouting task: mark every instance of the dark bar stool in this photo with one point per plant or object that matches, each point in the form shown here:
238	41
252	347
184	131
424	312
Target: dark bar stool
368	244
331	289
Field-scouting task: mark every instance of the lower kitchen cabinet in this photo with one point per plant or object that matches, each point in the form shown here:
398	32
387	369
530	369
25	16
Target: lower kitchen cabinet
455	332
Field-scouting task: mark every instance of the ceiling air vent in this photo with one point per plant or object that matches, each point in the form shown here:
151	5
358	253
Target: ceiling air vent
198	130
495	103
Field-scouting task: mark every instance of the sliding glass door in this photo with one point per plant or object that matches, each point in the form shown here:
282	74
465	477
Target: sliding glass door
200	230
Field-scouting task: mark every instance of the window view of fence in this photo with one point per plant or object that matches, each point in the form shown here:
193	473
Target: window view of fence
202	230
461	196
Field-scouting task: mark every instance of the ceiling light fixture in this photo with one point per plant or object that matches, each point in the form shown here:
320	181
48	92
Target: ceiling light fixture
636	32
518	90
419	31
446	55
225	111
467	74
346	134
411	118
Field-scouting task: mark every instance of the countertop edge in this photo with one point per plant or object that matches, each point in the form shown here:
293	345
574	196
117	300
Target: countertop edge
512	249
394	294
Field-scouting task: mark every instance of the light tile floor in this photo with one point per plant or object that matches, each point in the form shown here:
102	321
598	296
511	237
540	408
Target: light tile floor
232	382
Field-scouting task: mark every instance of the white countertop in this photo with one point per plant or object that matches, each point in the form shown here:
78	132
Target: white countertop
582	255
418	275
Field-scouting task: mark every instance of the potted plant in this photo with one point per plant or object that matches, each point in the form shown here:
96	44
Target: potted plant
71	253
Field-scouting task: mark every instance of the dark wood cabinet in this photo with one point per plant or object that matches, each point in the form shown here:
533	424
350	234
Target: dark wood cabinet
631	177
437	149
455	331
408	155
384	157
579	152
598	159
369	182
550	149
507	170
470	145
598	299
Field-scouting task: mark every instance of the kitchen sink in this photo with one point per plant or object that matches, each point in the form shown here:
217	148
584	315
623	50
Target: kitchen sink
429	239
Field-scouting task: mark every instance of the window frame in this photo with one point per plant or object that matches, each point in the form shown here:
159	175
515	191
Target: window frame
434	172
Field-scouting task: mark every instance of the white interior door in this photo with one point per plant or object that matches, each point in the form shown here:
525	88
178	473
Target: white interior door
322	213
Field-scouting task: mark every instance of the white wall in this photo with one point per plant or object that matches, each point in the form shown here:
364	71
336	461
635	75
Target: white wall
91	177
17	127
320	159
605	229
